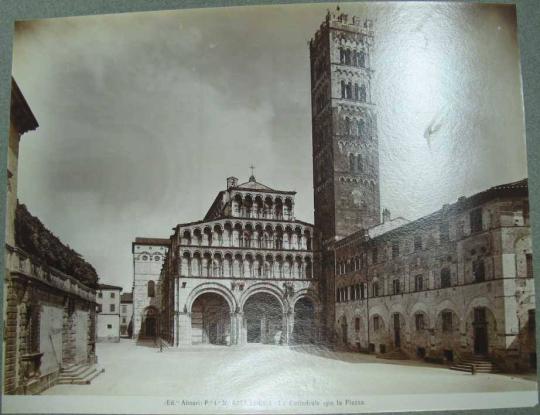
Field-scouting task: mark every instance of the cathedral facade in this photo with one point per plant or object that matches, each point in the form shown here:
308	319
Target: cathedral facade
243	274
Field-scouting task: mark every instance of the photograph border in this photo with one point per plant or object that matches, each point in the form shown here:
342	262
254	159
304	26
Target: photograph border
528	14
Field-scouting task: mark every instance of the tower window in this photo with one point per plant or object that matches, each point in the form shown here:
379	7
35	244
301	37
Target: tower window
361	128
343	89
341	55
349	90
359	164
529	262
357	324
356	92
361	59
363	93
347	57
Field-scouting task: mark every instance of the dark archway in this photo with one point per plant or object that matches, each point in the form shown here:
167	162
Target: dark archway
304	330
210	320
150	321
263	319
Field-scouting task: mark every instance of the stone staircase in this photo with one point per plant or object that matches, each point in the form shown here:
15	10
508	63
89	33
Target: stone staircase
396	354
481	364
79	374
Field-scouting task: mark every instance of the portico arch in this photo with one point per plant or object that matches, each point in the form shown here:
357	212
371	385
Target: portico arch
263	318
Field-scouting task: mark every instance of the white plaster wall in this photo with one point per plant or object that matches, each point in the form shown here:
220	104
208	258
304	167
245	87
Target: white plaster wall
50	338
108	334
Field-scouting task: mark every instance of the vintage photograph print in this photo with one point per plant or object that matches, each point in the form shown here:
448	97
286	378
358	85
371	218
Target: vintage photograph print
312	208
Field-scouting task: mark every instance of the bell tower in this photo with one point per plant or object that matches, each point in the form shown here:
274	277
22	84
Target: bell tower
345	143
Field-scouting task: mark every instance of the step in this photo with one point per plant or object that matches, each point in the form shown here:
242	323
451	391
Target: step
76	371
82	380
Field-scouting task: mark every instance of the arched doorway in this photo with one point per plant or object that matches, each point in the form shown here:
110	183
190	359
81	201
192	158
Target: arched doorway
149	328
263	319
210	320
304	330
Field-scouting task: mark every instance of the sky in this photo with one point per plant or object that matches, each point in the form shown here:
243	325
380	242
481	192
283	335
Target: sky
143	116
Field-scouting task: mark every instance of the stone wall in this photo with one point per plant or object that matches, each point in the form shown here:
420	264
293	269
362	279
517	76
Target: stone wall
49	323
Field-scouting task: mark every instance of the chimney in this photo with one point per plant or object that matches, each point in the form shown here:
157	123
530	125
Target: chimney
232	182
385	215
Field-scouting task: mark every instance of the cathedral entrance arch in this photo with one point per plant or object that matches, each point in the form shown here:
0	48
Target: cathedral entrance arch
263	319
304	330
210	319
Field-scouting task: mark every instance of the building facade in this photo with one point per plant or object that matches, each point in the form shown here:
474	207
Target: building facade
243	274
148	256
453	284
108	313
49	312
126	314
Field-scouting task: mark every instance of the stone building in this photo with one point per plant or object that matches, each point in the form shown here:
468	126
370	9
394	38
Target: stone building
451	285
49	290
148	256
243	274
126	314
345	142
108	313
456	283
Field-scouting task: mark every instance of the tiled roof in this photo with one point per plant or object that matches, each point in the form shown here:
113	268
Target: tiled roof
109	287
126	298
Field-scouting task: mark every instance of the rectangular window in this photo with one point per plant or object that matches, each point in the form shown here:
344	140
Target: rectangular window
446	278
529	261
112	307
100	294
396	288
357	324
418	243
475	217
123	320
419	321
395	249
112	295
418	283
479	271
99	308
447	321
109	326
375	289
376	323
124	309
